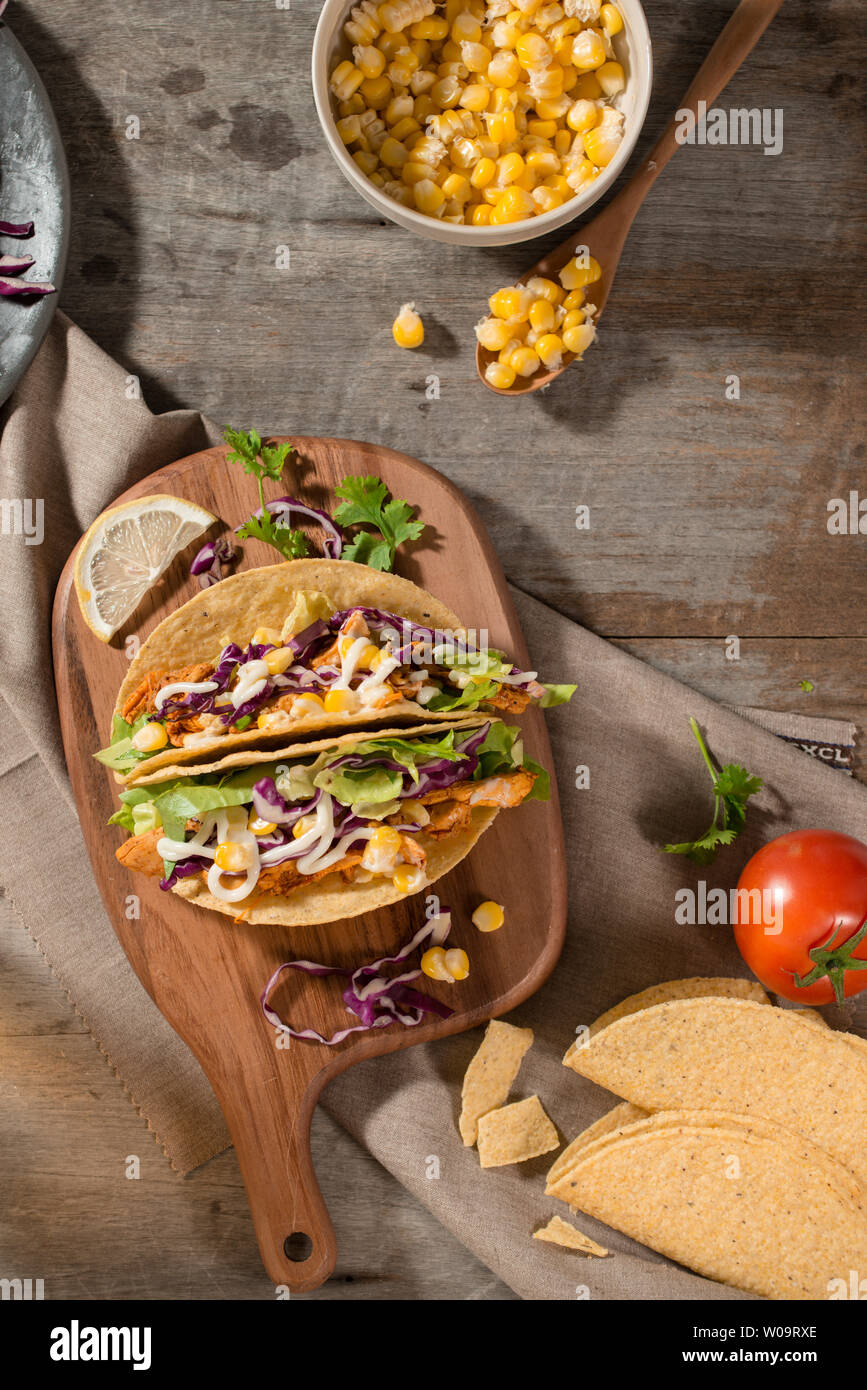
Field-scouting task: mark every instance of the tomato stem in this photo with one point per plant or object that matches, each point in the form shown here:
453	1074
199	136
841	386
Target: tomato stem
831	962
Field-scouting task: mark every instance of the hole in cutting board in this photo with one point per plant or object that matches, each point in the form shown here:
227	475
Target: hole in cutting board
298	1247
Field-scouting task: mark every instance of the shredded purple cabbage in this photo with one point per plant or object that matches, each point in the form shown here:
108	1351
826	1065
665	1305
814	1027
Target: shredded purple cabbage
15	265
213	557
194	864
9	287
376	1000
19	229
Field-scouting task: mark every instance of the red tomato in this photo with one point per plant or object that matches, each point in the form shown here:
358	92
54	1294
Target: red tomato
818	878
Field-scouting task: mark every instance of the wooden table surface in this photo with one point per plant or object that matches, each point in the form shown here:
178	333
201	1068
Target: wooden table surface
708	516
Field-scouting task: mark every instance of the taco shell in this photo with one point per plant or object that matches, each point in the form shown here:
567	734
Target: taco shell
232	610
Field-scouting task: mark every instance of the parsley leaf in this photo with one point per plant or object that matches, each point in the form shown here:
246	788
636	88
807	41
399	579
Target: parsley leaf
732	788
290	543
364	504
264	461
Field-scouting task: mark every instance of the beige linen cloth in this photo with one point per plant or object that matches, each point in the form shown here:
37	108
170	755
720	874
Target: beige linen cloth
72	437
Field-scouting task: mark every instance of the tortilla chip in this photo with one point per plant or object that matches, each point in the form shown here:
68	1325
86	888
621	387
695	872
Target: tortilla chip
770	1224
613	1122
232	610
560	1178
695	988
559	1232
490	1074
740	1057
515	1133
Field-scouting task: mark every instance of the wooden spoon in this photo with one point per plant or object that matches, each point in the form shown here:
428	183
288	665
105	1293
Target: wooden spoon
606	234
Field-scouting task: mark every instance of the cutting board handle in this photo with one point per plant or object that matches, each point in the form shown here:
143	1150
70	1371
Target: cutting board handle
293	1228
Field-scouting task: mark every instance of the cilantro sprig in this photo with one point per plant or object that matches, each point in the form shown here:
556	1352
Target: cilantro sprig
265	461
364	503
732	788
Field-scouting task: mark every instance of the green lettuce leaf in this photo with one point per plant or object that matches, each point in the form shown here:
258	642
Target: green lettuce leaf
557	695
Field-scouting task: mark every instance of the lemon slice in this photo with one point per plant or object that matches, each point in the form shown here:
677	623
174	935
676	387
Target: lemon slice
126	550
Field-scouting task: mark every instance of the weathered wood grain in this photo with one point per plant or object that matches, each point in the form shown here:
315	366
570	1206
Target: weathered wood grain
72	1217
706	514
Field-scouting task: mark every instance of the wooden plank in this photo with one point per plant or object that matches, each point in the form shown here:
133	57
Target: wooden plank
91	1232
707	515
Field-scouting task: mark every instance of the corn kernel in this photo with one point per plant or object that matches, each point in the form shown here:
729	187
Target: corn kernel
480	215
475	57
542	316
612	20
457	963
572	318
532	51
308	702
503	69
369	60
489	916
545	199
413	172
393	153
574	299
483	173
524	361
151	737
580	271
550	351
408	878
233	858
433	964
582	115
601	145
515	204
408	332
506	303
457	186
545	130
509	168
588	50
349	129
402	130
500	375
258	826
278	659
501	126
446	92
345	80
543	163
433	28
493	334
611	78
466	27
475	97
376	92
578	339
302	826
429	198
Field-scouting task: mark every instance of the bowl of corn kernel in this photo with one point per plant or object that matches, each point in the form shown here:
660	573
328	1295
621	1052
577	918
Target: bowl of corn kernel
485	122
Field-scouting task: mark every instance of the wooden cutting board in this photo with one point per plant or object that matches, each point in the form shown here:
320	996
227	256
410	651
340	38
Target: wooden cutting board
204	972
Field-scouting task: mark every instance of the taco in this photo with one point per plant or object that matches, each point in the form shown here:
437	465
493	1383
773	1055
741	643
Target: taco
292	649
329	829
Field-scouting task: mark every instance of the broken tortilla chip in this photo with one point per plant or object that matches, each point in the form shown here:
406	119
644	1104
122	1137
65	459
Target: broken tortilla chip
559	1232
515	1133
490	1074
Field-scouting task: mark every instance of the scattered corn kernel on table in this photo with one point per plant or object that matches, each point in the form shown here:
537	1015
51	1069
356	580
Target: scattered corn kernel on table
670	492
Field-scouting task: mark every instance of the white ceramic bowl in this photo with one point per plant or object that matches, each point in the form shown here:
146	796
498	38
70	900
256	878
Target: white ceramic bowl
633	50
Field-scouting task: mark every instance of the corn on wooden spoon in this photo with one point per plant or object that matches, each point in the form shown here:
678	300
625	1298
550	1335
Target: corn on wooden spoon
606	234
